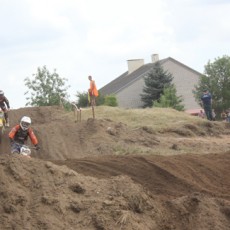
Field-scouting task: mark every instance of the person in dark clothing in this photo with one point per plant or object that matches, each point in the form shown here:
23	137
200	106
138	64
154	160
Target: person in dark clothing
20	133
207	104
5	106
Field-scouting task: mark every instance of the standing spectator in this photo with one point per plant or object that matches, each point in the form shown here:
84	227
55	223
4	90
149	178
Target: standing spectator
207	104
92	93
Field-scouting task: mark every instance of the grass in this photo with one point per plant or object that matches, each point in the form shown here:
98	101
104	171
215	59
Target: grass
159	119
172	128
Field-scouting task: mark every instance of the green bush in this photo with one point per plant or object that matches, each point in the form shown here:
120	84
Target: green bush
111	100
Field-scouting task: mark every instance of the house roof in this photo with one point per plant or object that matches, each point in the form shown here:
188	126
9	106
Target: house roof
126	79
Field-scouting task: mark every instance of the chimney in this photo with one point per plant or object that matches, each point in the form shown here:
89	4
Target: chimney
155	58
134	64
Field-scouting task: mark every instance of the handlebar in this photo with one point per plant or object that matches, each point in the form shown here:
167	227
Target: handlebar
23	145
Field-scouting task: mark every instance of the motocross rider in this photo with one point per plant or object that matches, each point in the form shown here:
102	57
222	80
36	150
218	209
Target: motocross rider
4	105
20	133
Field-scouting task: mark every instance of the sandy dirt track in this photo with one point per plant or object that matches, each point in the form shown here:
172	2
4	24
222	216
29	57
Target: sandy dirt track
79	181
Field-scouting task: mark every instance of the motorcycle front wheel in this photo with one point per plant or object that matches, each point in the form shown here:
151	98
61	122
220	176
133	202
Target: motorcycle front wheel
1	133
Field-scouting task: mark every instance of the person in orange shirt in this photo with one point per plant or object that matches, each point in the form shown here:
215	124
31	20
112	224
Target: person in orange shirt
93	93
20	133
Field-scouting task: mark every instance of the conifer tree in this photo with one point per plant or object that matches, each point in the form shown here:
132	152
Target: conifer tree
155	82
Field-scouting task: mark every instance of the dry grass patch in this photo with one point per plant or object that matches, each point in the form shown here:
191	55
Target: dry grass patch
160	120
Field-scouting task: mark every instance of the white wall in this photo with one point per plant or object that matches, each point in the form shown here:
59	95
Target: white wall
184	80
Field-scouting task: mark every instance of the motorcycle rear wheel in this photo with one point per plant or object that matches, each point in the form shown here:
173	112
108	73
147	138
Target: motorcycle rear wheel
1	133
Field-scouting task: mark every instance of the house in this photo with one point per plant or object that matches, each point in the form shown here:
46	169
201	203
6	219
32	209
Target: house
128	87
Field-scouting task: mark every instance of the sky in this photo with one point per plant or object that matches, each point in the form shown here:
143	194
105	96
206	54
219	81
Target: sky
78	38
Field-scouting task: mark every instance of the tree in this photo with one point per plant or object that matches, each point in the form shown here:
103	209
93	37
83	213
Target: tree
82	99
46	88
155	82
169	99
216	79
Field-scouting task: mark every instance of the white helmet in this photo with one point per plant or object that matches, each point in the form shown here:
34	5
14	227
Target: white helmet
1	93
25	122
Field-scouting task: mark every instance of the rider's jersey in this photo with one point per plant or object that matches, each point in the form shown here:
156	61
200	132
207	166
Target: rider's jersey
4	101
19	135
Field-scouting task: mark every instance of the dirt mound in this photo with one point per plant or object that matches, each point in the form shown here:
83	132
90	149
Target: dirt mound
61	138
167	177
41	195
79	180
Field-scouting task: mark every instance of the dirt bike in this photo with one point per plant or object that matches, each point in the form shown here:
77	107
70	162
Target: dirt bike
25	151
22	149
2	125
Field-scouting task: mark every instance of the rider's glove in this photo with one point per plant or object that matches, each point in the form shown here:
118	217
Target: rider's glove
11	141
37	147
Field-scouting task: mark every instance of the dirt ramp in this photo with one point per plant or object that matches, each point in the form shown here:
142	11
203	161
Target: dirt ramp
60	137
41	195
36	194
39	116
5	145
98	183
164	176
197	211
